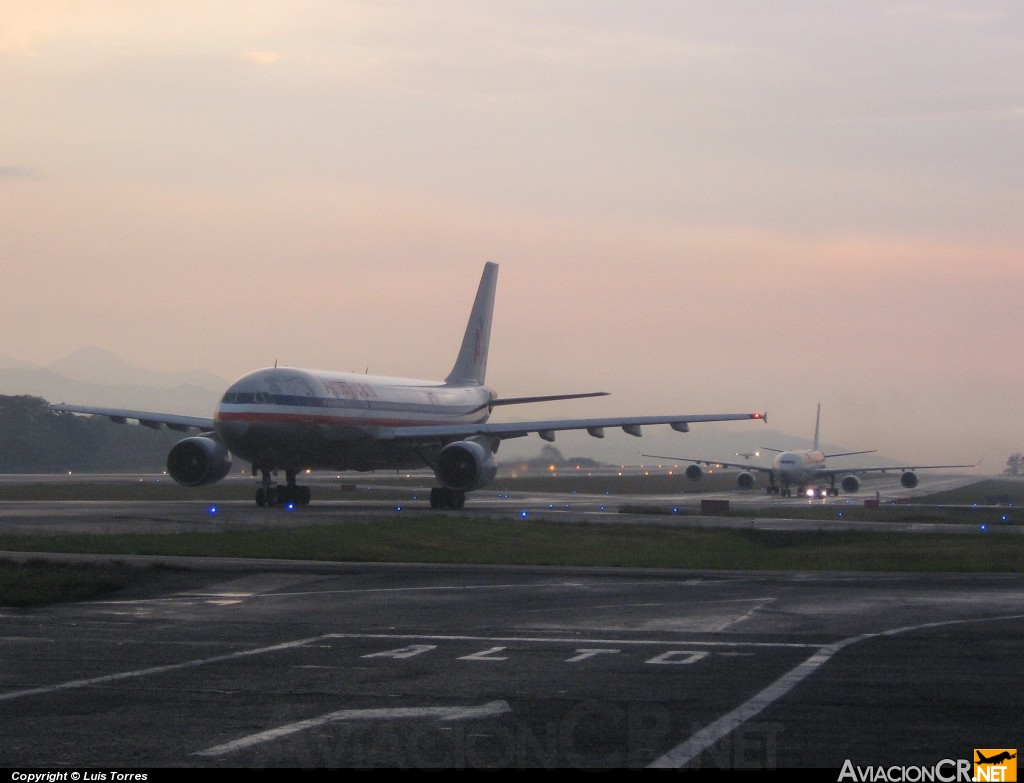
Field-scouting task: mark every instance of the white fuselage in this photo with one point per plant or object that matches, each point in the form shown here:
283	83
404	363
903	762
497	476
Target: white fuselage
798	467
308	419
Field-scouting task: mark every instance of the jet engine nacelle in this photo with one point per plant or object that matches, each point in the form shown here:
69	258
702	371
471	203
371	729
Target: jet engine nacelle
198	461
850	483
908	479
465	465
745	480
694	473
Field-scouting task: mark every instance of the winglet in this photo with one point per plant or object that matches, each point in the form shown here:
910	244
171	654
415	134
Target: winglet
471	364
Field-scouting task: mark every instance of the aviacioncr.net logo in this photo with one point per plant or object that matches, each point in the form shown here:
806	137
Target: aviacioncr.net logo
945	771
995	764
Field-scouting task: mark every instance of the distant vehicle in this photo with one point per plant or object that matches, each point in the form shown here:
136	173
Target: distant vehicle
805	471
294	420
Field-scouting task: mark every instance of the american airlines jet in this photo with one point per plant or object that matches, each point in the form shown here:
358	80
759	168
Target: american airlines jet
295	420
805	468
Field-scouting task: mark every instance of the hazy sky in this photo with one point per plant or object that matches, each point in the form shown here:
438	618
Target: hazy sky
699	207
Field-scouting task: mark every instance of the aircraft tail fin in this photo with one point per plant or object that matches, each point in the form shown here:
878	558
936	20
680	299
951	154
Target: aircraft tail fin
817	421
471	364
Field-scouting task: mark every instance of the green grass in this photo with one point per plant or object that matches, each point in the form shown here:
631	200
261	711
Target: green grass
446	539
469	538
38	582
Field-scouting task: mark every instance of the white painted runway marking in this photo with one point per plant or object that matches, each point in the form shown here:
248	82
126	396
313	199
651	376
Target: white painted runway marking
585	653
673	657
413	649
404	652
487	710
154	670
486	655
683	754
573	640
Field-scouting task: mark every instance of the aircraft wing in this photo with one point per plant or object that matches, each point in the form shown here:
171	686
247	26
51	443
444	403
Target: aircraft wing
547	429
713	463
145	418
883	468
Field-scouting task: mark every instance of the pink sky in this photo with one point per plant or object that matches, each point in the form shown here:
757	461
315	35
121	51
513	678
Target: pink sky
697	207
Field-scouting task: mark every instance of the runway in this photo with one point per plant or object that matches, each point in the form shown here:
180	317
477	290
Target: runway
435	666
281	664
377	497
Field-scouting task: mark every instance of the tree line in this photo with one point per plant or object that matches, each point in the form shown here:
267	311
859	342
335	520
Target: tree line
35	439
1015	465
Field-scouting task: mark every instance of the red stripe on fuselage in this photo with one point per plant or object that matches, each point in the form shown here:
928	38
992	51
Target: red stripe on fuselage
315	418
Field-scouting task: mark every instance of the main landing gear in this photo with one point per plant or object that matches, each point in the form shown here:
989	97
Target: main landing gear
441	497
802	492
291	493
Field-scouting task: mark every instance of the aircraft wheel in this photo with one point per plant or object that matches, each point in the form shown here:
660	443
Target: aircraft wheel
303	496
442	497
261	496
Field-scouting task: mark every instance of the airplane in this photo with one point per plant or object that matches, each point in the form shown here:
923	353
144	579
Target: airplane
803	468
296	420
1004	756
